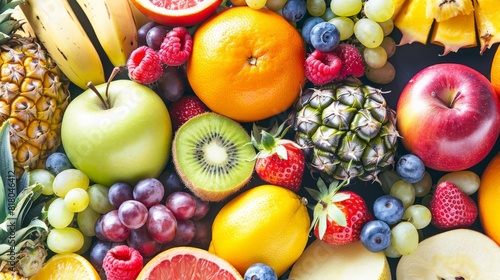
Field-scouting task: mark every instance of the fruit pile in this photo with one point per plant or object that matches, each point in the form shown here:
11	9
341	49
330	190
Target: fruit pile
249	139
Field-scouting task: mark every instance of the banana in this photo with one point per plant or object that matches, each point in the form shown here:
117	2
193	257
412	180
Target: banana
114	25
139	17
58	29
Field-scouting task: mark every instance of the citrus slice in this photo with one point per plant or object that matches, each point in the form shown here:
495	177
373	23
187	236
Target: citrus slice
188	263
177	13
67	266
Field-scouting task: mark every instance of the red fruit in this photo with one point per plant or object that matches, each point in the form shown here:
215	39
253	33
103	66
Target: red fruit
352	61
122	263
176	47
280	162
322	67
185	108
452	208
338	216
144	65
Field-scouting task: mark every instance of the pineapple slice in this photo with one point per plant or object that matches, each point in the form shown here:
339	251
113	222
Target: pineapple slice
487	23
455	33
398	5
441	10
413	22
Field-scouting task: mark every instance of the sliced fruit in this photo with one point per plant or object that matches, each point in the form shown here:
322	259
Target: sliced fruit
213	156
489	199
453	254
455	33
413	22
177	13
398	4
442	10
188	263
67	266
321	261
487	23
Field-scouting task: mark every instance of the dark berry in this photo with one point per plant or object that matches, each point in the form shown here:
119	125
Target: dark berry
389	209
309	23
376	235
325	36
294	10
411	168
260	271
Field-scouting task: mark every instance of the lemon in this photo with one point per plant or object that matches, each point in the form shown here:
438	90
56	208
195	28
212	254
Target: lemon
267	223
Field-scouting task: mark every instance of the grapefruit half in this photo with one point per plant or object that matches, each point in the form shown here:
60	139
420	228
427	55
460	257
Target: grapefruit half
188	263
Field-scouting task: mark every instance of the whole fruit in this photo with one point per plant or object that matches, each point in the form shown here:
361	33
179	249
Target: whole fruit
488	194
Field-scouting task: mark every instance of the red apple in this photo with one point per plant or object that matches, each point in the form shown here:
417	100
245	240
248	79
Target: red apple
449	115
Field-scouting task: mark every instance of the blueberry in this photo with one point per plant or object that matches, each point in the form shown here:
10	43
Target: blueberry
294	10
57	162
260	271
376	236
325	36
309	23
389	209
411	168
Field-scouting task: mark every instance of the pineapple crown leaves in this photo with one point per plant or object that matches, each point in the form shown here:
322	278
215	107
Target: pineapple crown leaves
326	208
8	25
270	141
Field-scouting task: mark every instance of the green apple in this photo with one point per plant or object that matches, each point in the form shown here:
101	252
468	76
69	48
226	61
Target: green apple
122	133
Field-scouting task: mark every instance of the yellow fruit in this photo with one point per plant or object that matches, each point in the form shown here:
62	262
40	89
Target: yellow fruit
455	33
67	266
442	10
487	23
322	261
489	199
495	72
413	22
267	223
398	4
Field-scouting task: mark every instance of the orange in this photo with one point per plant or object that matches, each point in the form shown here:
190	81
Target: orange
188	263
247	64
489	199
495	72
177	12
67	266
267	224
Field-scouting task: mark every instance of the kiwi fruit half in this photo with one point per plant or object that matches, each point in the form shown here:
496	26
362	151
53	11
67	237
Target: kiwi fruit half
213	156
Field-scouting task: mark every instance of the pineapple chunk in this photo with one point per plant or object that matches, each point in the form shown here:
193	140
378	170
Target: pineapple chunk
441	10
398	5
487	23
455	33
413	22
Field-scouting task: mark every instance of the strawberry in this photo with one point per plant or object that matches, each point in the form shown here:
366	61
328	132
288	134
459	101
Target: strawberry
278	161
185	108
339	216
452	208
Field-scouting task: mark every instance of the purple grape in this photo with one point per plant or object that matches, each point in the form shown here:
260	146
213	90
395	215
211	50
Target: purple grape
98	252
161	224
155	36
143	31
182	205
185	233
120	192
203	234
98	230
140	240
149	192
133	214
202	208
57	162
171	181
172	84
113	228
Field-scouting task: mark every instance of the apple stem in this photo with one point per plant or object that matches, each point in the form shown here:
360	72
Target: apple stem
113	74
455	97
91	86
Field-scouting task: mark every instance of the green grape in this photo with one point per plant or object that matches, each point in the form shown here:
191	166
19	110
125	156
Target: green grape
256	4
275	5
389	46
387	179
328	15
466	180
98	196
419	215
65	240
404	191
58	215
390	252
76	200
423	186
375	57
404	238
86	221
345	26
316	7
387	26
368	32
426	200
346	8
382	75
87	243
379	10
44	177
69	179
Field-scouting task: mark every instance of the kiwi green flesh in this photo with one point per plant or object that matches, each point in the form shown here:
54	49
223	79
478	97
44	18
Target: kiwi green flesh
213	156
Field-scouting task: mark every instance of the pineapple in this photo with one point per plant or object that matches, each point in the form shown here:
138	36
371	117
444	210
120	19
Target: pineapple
442	10
346	130
446	33
33	94
488	23
22	250
413	22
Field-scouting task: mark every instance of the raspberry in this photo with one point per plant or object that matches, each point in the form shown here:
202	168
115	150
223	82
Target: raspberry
322	67
122	263
176	47
144	65
352	61
185	108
